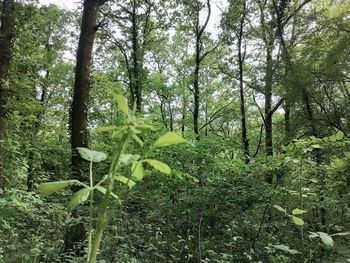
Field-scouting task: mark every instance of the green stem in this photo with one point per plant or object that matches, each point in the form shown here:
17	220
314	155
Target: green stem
91	212
102	218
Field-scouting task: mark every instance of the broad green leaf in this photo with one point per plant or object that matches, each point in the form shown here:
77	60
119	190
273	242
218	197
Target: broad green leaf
128	158
340	135
298	211
160	166
286	249
78	198
168	139
298	221
313	235
106	128
52	187
326	239
316	146
92	156
104	190
280	209
137	170
130	183
122	103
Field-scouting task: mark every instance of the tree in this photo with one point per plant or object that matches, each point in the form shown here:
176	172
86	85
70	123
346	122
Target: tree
80	102
6	37
234	20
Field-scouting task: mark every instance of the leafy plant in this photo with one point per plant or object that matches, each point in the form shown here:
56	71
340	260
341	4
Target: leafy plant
130	130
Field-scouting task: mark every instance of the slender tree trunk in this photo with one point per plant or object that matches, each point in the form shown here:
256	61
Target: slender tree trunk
6	36
198	59
245	141
79	114
35	129
196	89
268	108
171	119
319	174
287	125
136	63
183	118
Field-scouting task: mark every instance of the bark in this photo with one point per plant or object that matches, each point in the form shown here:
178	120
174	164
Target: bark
268	101
287	124
183	118
198	59
6	37
245	141
136	88
79	113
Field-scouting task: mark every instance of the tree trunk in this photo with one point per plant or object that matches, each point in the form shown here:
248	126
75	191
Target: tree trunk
245	141
79	114
198	59
6	36
183	118
136	81
196	89
268	108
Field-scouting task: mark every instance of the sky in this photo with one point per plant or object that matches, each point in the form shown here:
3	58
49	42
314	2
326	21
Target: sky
212	25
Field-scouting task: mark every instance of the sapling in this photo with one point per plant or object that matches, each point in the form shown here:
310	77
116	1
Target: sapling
130	130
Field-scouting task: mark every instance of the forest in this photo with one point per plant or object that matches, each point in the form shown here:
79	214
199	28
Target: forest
179	131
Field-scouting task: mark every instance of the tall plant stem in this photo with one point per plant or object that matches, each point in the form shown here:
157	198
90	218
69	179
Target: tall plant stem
102	218
91	212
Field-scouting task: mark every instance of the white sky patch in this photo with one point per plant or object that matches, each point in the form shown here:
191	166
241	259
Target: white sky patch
213	24
64	4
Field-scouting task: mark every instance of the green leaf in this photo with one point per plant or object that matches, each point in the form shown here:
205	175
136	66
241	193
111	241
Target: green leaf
340	135
92	156
106	128
130	183
122	103
160	166
138	140
326	239
286	249
298	211
280	209
52	187
137	171
316	146
298	221
341	234
168	139
128	158
104	190
78	198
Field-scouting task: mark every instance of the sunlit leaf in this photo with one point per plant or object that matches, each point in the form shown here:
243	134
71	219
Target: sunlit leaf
130	183
298	211
280	208
78	198
168	139
92	156
326	239
137	171
298	221
52	187
122	103
160	166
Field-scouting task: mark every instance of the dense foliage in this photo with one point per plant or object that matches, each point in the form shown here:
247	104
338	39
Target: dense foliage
260	173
